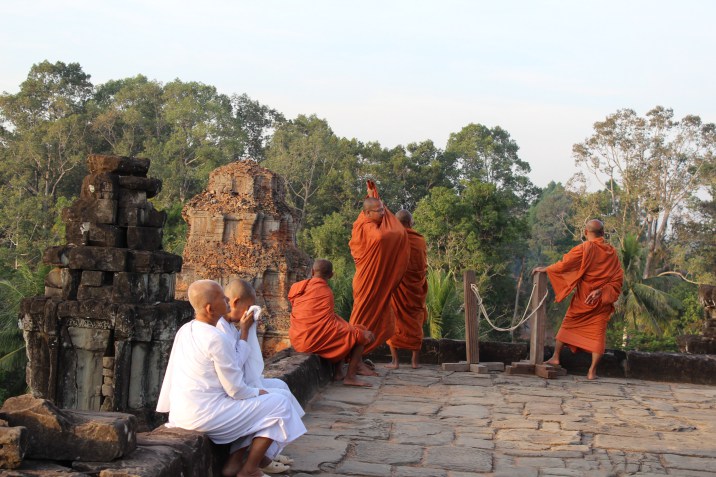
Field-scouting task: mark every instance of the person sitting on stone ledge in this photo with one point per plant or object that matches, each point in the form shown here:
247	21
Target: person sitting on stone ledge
315	327
242	306
204	390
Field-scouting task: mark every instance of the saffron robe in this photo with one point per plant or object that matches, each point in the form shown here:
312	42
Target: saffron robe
592	265
203	390
381	254
245	350
408	300
315	327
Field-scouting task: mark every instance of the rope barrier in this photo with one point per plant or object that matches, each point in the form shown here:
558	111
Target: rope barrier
524	319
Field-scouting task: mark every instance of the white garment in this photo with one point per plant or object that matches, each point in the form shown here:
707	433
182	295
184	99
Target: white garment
203	390
251	348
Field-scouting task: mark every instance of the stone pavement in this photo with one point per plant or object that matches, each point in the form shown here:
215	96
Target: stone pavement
434	423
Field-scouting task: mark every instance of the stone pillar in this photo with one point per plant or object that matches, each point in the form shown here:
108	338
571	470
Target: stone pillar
99	338
242	227
706	342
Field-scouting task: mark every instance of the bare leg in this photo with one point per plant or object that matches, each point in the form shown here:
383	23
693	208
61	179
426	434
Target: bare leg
251	468
353	365
592	374
554	360
416	359
394	364
338	371
233	463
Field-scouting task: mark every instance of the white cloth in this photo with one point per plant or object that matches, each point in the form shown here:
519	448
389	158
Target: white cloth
203	390
248	348
254	367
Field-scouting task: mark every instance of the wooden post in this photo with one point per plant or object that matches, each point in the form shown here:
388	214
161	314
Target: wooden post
539	319
472	341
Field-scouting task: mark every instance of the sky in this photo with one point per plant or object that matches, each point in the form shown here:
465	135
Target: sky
397	72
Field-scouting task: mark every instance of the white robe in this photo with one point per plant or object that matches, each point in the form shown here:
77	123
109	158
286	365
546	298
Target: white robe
248	354
204	390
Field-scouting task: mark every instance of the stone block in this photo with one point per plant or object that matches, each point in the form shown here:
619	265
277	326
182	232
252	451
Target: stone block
96	310
520	368
104	293
161	287
92	278
155	461
96	235
108	362
144	238
54	278
53	292
130	216
132	198
149	185
102	185
121	165
154	218
70	435
98	258
107	373
199	455
546	371
68	308
460	367
107	390
70	283
479	369
56	256
673	367
130	287
13	445
98	211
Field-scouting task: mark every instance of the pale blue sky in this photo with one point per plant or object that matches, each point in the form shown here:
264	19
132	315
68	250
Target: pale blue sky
396	71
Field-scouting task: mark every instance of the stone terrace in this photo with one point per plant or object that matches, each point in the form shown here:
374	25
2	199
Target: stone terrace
433	423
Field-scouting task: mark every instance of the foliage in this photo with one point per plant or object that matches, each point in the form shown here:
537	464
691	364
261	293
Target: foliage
443	306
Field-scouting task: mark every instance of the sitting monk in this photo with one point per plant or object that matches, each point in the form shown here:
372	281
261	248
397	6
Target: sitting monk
203	390
379	246
592	268
408	300
315	327
242	300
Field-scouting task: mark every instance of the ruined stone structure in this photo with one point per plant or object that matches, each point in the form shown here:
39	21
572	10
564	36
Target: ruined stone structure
99	339
706	343
241	227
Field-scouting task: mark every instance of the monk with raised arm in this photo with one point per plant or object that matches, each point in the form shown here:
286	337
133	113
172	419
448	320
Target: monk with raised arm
315	327
408	300
594	270
379	246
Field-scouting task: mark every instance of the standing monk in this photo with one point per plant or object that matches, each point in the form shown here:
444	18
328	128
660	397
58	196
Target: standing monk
315	327
592	268
379	246
408	300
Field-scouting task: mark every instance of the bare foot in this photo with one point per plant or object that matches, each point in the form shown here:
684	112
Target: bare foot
592	375
553	361
338	373
356	382
416	366
257	473
364	370
233	464
393	365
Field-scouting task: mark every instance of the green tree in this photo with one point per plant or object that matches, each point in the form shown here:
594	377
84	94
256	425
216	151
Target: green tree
443	304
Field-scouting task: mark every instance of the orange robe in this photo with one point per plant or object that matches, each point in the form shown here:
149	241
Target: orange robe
408	300
381	254
315	327
587	267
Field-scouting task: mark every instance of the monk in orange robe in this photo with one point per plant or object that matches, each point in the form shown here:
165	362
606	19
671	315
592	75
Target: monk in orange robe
379	246
315	327
408	300
594	270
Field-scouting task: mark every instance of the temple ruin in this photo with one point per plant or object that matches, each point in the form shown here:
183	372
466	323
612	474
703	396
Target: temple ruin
242	227
100	337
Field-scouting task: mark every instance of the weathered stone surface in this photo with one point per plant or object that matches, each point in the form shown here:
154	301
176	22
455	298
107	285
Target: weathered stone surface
315	451
455	458
132	166
144	238
147	184
13	446
92	278
102	185
97	211
674	367
42	468
355	467
242	227
56	256
154	461
387	453
199	456
97	258
70	435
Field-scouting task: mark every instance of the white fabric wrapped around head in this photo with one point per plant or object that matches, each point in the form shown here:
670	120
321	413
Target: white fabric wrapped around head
254	367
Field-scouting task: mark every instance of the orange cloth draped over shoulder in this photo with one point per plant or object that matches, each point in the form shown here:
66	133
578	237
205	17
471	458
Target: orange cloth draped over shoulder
381	253
315	327
587	267
408	300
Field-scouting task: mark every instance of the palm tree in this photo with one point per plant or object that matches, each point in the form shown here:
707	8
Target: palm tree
641	306
443	306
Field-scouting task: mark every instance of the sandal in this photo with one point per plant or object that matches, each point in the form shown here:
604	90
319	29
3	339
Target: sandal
275	468
283	459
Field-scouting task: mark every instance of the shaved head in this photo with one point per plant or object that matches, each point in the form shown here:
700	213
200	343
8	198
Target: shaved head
240	289
404	217
596	227
370	203
202	293
322	268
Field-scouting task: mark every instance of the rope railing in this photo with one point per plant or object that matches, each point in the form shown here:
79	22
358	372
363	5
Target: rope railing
524	319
